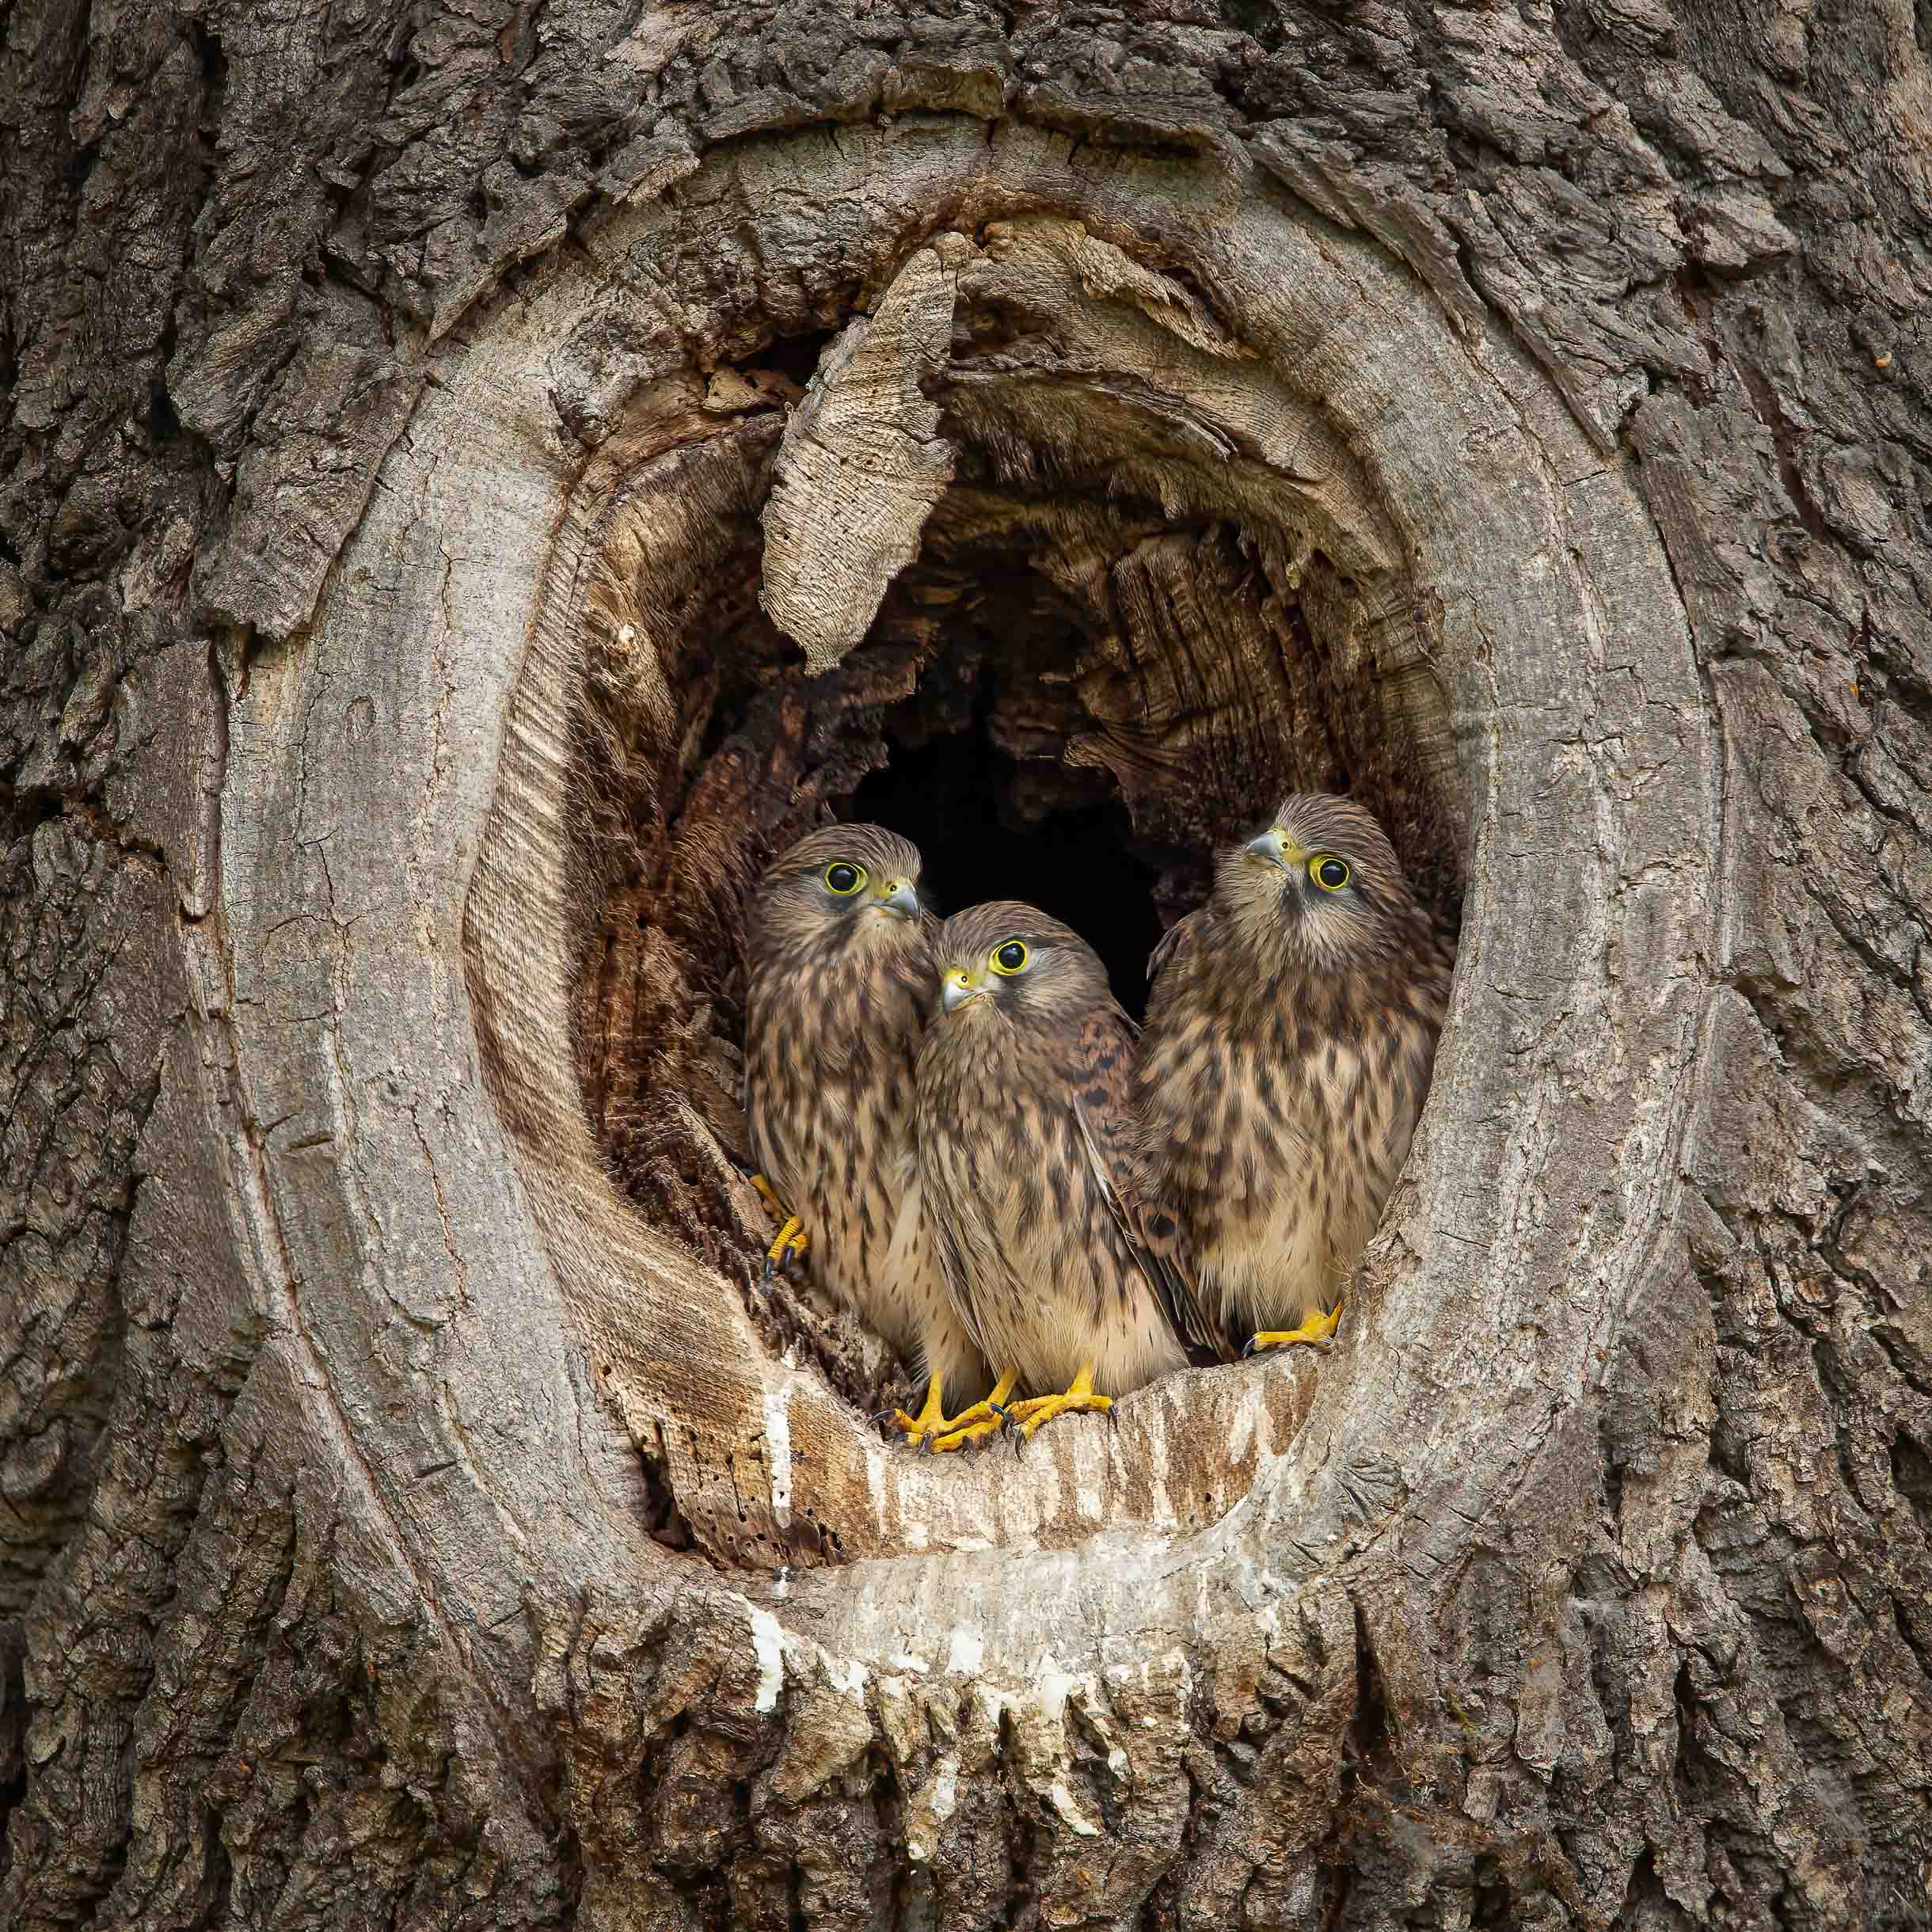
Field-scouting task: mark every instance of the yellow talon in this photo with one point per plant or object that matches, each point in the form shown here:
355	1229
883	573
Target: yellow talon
974	1432
974	1424
931	1421
1315	1333
1080	1397
793	1240
792	1243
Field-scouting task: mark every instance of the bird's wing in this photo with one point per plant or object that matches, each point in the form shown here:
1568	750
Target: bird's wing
1102	1089
1176	943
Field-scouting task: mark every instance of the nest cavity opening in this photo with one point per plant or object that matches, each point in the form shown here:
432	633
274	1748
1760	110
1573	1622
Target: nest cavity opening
1091	678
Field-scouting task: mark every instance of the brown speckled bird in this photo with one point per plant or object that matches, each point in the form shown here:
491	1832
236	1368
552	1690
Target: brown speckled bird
1291	1034
1025	1134
840	981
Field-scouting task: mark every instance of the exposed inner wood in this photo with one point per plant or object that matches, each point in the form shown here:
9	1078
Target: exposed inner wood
1115	648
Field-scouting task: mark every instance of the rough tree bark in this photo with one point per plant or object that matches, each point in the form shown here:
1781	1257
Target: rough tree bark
477	477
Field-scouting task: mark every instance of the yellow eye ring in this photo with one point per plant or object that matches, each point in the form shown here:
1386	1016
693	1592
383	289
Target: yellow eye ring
1326	870
1009	956
844	878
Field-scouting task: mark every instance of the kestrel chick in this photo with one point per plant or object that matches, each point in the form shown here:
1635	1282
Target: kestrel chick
1290	1033
840	980
1026	1158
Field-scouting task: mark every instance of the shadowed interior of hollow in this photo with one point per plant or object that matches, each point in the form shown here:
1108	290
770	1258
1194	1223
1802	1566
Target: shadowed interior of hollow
959	799
1072	695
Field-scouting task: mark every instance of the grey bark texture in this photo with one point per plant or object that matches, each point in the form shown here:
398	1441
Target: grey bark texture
433	432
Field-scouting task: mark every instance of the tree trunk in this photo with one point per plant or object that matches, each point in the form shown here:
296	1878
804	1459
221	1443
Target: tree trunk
477	479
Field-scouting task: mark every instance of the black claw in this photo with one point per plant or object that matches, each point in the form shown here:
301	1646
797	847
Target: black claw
1247	1349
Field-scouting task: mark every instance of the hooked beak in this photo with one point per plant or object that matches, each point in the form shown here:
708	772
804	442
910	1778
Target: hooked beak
900	901
957	988
1275	848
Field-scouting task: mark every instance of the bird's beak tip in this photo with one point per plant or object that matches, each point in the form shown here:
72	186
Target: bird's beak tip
1271	849
902	902
956	990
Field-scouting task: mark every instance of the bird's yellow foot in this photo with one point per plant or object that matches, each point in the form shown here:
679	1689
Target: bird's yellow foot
1036	1413
793	1240
931	1421
1316	1331
791	1244
974	1424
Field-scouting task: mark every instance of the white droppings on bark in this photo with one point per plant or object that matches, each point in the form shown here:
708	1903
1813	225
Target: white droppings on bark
768	1643
968	1648
1053	1683
778	1453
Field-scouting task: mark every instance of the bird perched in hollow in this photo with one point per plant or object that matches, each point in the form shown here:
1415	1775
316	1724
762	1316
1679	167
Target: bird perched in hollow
840	980
1025	1139
1290	1033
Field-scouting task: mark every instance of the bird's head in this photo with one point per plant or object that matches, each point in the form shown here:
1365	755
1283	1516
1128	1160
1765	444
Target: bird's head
1012	960
1320	888
842	886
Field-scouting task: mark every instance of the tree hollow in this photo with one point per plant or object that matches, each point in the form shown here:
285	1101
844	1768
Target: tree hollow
1227	507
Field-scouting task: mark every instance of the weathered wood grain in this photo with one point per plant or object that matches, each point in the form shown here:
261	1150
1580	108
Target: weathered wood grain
410	1511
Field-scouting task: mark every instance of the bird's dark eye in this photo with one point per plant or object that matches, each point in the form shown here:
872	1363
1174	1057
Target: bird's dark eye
1008	958
844	879
1328	872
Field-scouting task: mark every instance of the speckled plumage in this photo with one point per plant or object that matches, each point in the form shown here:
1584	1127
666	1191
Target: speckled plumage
1025	1154
839	988
1291	1036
